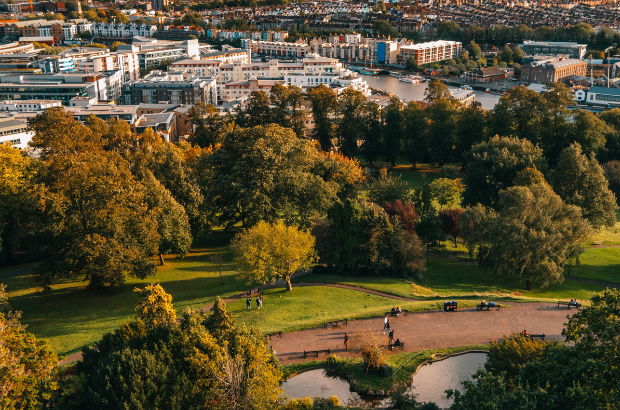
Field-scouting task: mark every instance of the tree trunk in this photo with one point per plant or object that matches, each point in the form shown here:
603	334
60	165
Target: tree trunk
289	287
161	259
528	284
455	245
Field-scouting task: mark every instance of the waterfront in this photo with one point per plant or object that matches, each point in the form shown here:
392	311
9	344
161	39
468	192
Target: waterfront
415	92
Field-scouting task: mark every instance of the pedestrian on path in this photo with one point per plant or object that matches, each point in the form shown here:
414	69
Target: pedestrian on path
259	303
385	322
346	341
248	303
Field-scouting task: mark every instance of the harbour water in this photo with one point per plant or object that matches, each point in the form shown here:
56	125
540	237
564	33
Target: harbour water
415	92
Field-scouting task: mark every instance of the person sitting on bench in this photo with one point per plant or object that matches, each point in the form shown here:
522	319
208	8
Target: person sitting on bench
397	342
483	304
394	310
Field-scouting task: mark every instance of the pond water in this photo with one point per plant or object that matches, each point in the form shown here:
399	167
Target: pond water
415	92
429	383
432	380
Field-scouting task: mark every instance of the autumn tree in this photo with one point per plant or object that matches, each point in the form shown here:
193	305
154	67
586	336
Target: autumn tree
403	213
155	306
387	189
207	123
267	252
580	180
436	90
446	191
258	112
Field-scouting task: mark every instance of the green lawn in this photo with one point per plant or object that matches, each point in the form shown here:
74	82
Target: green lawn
446	278
71	316
602	264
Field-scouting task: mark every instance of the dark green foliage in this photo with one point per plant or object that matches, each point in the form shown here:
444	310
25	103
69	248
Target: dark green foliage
429	230
580	181
393	131
492	166
219	323
324	105
387	189
612	174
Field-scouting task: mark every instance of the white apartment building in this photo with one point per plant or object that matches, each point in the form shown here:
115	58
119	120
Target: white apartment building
28	105
120	30
431	52
337	81
234	90
127	63
280	49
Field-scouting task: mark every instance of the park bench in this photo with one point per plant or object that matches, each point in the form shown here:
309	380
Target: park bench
306	353
392	346
569	304
488	306
253	292
541	337
335	323
279	334
395	314
599	243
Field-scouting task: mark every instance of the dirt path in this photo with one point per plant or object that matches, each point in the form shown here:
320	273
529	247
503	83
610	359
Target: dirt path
431	330
593	282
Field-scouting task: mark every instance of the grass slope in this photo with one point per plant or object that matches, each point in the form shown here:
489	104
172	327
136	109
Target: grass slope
600	264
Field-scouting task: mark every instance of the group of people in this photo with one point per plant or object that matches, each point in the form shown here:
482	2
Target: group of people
259	302
396	309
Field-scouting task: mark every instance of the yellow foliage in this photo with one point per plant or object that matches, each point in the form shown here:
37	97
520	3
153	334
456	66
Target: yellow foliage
14	169
155	306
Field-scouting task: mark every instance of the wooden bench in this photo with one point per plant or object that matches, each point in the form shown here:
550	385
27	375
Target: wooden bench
335	323
599	243
392	346
569	304
253	292
486	305
306	353
279	334
395	314
541	337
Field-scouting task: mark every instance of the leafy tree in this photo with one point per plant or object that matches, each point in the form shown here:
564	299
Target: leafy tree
374	144
518	113
387	189
448	30
506	53
612	174
28	367
414	143
267	252
297	110
492	165
437	89
474	50
257	112
535	235
155	306
450	219
475	226
589	131
178	366
384	29
264	173
612	146
446	191
279	98
344	172
580	181
351	129
517	54
403	213
219	323
429	230
324	105
208	124
510	354
470	128
441	130
411	64
393	131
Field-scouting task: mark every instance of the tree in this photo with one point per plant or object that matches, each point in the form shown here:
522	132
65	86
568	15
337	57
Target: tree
264	173
517	54
219	323
257	111
384	29
393	131
474	50
28	367
446	191
324	104
470	128
207	123
518	113
475	225
411	64
437	89
298	112
86	35
589	131
403	213
580	181
279	98
267	252
387	189
441	127
174	366
374	144
612	174
450	219
414	143
114	46
351	129
506	53
492	165
155	306
535	235
429	230
510	354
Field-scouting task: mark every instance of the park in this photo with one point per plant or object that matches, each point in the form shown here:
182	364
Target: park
252	254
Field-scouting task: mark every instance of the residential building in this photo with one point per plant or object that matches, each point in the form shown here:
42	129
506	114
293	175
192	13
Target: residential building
431	52
280	49
160	4
28	105
48	40
487	75
14	131
237	89
178	32
183	123
105	112
122	31
62	87
173	88
573	50
553	70
603	96
18	61
163	123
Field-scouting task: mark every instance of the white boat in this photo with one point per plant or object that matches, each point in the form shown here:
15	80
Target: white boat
396	74
409	80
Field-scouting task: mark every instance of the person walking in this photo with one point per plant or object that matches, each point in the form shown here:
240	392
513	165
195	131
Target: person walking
346	341
387	325
258	302
385	322
248	303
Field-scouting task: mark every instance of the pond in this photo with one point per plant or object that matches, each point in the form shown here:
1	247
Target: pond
429	383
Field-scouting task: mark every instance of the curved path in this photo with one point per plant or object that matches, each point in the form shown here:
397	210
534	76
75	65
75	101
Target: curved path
431	330
418	330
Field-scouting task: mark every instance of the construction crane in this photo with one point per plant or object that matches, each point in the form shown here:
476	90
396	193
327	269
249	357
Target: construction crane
31	8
